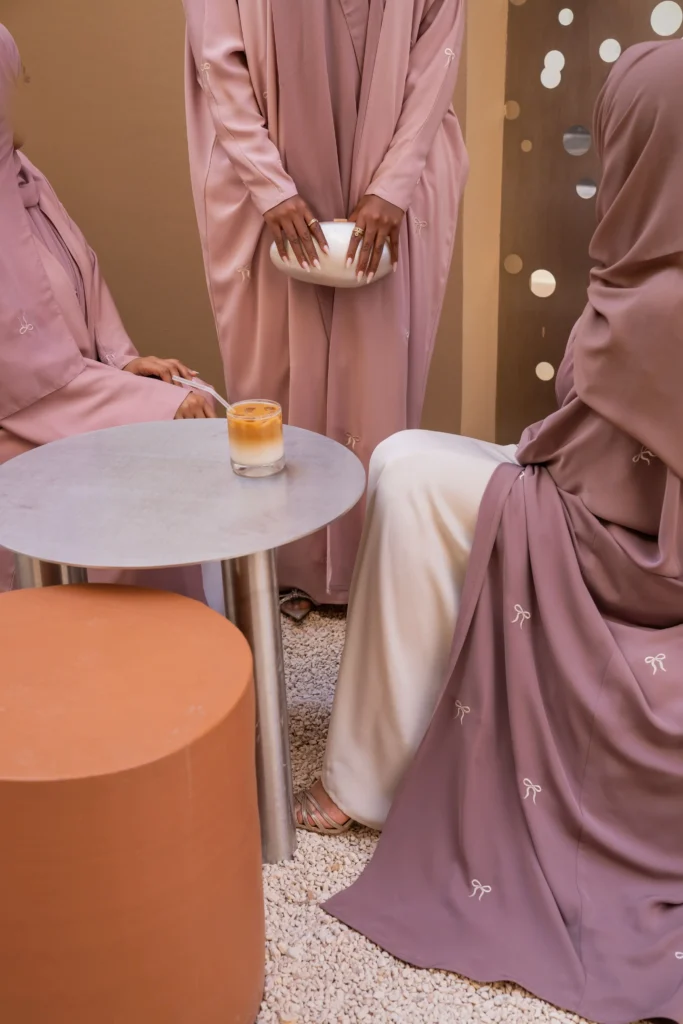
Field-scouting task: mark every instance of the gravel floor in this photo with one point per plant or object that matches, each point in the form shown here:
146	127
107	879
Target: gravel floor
318	971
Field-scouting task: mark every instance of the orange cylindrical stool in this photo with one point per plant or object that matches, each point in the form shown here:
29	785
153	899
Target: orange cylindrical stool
130	857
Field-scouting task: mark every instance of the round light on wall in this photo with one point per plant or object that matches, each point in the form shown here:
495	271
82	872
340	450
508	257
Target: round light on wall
610	50
577	140
542	283
550	78
667	18
545	371
586	188
513	263
566	16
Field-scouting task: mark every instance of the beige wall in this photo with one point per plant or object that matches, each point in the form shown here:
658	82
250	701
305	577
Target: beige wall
487	46
105	121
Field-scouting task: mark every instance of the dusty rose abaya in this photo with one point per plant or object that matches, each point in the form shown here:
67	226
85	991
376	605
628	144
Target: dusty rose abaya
538	836
332	100
62	343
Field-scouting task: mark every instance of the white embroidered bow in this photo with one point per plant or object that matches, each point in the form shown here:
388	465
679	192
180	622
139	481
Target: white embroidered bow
245	272
352	441
521	616
531	789
205	68
477	887
450	56
644	455
656	661
25	326
461	710
419	225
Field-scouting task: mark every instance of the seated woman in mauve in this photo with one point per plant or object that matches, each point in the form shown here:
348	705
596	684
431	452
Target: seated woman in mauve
536	835
67	365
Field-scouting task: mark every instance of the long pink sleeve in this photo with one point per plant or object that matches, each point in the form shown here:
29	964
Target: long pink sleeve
430	84
99	397
113	342
217	43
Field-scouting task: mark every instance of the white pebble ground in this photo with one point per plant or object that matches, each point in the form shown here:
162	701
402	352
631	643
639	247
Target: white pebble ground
318	971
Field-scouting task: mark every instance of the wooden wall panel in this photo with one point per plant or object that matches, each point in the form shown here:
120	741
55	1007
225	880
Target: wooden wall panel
544	221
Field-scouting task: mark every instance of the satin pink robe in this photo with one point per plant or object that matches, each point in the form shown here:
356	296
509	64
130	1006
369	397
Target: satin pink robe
333	100
101	394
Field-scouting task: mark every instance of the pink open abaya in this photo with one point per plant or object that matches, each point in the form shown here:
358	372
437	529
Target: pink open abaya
331	100
62	343
538	836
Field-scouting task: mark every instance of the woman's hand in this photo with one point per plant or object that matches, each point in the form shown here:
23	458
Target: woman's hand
196	407
380	222
293	222
164	369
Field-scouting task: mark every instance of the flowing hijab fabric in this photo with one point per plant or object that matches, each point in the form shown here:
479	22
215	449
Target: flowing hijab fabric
38	353
538	836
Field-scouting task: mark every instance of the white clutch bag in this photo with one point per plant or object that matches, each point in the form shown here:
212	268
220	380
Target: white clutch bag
333	270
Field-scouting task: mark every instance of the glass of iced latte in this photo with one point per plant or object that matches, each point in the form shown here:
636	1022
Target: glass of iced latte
256	441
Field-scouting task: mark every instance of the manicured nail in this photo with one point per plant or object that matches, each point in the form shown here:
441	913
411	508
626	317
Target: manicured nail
349	262
360	276
370	276
306	267
316	264
326	250
285	259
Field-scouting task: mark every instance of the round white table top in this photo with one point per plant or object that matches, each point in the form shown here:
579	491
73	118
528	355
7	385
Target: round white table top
151	495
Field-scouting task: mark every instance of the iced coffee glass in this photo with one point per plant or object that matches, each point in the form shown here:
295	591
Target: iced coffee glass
256	441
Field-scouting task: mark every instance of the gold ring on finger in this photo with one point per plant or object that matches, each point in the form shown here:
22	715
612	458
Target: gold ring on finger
358	232
312	223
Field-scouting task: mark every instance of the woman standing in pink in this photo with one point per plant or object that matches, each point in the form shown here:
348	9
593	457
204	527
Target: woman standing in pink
67	365
303	112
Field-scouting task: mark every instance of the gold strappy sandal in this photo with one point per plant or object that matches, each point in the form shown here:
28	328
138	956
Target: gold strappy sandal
296	605
314	818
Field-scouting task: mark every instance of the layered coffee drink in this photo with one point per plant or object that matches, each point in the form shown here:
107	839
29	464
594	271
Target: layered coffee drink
256	439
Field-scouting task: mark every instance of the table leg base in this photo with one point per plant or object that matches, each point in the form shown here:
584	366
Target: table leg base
252	603
31	572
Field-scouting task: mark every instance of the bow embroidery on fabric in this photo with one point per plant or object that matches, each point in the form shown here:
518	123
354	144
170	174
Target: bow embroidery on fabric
352	441
521	616
644	455
477	887
656	661
461	710
450	56
531	789
679	956
419	225
245	272
24	325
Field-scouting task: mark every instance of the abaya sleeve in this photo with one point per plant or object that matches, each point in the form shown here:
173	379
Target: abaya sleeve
217	44
430	84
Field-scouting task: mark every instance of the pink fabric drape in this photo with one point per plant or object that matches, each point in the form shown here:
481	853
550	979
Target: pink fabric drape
332	100
539	838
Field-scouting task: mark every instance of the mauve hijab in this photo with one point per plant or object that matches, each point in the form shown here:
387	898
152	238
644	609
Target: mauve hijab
538	838
628	348
38	354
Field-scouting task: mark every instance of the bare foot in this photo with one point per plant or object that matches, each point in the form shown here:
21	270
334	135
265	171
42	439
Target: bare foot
331	815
